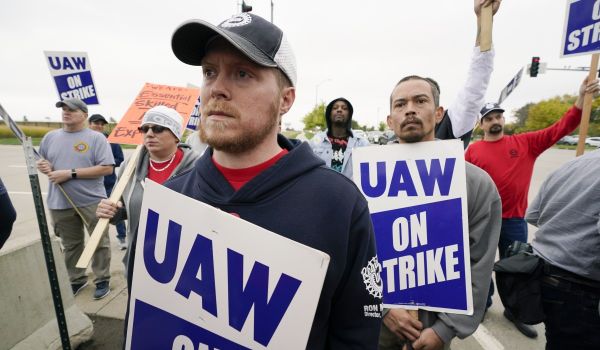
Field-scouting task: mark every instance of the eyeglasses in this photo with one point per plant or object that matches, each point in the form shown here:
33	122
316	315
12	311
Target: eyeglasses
157	129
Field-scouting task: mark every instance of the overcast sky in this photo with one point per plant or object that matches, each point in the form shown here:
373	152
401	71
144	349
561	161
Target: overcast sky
355	49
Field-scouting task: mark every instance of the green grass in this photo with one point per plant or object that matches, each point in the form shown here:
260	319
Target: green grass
15	141
33	131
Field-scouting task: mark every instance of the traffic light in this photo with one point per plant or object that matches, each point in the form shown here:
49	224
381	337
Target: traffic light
246	8
535	67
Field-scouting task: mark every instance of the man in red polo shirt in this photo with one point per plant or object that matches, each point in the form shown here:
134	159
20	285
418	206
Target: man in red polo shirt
509	161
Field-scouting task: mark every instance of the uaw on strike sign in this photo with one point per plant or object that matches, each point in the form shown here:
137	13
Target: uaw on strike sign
72	75
205	279
582	28
417	198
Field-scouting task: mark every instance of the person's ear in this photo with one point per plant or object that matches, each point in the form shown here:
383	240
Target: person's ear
288	96
439	114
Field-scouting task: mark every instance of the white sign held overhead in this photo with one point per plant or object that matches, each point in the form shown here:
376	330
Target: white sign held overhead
72	75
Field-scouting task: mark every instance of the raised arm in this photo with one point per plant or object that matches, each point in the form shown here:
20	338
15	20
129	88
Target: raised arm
464	111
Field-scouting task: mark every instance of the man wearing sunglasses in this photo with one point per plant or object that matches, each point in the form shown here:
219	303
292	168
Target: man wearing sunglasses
162	158
78	158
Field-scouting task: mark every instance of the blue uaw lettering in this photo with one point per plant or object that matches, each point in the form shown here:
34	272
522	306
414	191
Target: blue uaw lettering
181	342
402	180
587	35
198	276
421	269
67	63
200	260
267	315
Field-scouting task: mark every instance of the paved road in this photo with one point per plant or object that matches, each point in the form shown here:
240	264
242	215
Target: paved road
495	333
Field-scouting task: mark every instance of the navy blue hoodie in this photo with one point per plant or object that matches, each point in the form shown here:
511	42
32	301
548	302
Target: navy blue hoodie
299	198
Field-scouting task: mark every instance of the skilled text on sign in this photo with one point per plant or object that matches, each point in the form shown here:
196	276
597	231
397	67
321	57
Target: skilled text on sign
181	99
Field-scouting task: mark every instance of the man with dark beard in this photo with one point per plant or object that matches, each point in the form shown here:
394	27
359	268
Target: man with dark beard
414	111
509	161
335	144
252	172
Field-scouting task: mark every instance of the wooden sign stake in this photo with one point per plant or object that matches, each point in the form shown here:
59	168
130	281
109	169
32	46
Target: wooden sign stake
587	108
90	248
487	18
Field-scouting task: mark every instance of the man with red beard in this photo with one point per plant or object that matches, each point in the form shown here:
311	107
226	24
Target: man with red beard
251	171
509	161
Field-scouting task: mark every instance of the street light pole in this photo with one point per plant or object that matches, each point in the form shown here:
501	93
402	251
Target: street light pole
317	90
271	11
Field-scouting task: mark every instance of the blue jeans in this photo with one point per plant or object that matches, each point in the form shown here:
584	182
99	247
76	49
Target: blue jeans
121	231
513	229
572	315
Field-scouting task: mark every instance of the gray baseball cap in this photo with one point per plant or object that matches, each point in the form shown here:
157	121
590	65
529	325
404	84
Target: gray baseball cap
260	40
73	103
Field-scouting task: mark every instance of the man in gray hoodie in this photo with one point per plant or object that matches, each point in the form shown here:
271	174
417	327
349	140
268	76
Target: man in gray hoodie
414	111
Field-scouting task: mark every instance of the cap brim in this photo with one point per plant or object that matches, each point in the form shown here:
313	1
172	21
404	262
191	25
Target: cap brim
190	38
70	105
492	110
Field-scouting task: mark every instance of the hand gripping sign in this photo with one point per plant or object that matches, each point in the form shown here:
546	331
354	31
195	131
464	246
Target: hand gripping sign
203	279
181	99
72	75
417	198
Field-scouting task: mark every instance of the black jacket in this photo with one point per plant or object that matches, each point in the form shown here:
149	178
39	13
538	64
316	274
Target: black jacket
8	215
299	198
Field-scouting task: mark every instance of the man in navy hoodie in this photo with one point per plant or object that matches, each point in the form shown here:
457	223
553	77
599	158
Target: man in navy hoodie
252	172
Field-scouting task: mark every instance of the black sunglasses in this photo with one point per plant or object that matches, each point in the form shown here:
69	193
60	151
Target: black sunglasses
157	129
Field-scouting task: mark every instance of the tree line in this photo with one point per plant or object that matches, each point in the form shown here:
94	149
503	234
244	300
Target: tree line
530	117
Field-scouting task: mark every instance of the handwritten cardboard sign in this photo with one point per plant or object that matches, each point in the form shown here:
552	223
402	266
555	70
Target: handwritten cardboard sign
181	99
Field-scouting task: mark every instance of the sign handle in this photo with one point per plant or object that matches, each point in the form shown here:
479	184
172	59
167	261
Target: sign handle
90	248
20	135
487	18
34	181
72	204
587	108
